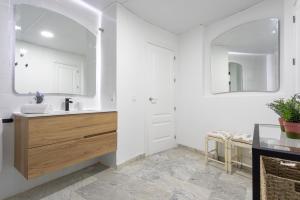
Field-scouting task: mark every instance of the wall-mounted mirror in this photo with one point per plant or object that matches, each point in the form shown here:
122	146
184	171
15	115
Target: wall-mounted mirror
53	53
246	58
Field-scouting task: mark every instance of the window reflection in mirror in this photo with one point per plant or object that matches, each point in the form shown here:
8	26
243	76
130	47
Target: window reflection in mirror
53	53
246	58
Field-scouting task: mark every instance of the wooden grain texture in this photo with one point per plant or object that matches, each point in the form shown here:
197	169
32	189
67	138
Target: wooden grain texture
49	158
46	144
51	130
21	144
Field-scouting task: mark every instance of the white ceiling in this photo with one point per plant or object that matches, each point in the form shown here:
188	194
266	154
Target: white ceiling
178	16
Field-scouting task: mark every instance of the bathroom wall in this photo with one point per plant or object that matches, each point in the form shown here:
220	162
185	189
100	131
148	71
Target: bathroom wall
133	34
109	68
11	182
109	57
297	14
198	110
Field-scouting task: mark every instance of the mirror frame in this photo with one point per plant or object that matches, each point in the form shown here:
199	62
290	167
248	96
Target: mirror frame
279	58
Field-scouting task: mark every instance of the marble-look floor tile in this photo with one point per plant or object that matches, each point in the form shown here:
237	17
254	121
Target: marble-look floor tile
62	188
122	187
207	178
176	174
225	190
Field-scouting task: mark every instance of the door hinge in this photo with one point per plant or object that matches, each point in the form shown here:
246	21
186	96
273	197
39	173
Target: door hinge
294	19
174	57
174	80
175	108
175	137
294	61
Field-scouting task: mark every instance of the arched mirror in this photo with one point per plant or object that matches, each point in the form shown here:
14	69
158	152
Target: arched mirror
53	53
246	58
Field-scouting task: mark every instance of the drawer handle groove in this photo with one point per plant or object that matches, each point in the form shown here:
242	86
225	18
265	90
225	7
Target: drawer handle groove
293	165
98	134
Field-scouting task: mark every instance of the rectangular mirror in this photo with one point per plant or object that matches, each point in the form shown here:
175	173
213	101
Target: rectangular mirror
53	53
246	58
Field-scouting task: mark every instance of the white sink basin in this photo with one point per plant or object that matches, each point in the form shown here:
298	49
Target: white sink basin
36	108
61	112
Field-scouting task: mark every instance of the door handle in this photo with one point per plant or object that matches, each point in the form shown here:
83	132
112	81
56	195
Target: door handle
153	100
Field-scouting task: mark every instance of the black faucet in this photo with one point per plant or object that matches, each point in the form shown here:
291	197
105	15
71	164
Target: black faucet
67	104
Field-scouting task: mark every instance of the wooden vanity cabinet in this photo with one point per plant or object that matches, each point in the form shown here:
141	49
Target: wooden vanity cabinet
46	144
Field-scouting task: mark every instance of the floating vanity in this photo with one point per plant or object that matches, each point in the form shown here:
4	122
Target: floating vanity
48	142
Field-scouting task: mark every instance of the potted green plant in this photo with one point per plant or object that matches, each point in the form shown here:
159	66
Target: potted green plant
278	106
291	116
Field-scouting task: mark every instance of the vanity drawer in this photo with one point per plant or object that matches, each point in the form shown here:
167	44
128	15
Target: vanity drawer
42	160
51	130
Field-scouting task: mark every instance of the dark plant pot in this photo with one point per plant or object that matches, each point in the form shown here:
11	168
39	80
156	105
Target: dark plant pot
281	122
292	130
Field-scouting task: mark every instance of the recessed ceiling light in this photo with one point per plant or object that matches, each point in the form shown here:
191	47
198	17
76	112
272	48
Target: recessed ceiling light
47	34
274	32
18	28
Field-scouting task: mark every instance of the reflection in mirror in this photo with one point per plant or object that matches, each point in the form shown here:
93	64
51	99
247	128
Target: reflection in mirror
246	58
53	53
236	77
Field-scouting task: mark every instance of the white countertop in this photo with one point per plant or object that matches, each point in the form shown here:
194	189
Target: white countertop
58	113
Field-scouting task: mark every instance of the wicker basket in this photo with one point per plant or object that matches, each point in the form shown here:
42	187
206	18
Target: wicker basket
280	179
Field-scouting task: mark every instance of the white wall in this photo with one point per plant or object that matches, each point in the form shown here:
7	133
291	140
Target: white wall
133	34
109	57
297	47
12	182
190	114
109	67
198	110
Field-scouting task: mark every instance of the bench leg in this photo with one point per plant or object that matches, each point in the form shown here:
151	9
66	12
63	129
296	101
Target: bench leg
206	150
217	150
229	153
226	156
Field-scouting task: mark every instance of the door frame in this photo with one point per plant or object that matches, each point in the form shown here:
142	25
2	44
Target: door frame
147	116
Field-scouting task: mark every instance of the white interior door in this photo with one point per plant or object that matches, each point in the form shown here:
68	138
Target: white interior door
68	79
161	108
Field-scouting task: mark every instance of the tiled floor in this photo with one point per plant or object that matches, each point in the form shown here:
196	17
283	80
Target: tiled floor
177	174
